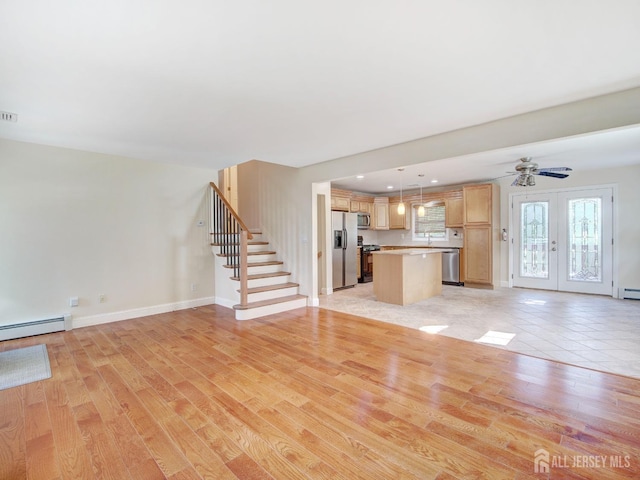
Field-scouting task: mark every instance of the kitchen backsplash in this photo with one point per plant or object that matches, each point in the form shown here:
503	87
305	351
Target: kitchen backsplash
403	237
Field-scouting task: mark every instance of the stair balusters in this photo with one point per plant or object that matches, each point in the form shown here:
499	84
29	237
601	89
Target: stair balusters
231	234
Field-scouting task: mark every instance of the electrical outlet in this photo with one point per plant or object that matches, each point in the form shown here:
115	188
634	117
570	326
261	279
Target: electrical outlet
194	287
101	298
73	301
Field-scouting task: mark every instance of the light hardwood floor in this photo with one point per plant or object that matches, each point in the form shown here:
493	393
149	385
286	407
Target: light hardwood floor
308	394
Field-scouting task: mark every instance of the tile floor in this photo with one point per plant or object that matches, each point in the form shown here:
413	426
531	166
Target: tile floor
591	331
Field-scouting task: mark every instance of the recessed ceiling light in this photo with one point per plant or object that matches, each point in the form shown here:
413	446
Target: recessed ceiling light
389	187
435	180
359	176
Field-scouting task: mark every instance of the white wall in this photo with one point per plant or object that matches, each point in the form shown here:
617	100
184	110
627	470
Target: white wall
269	200
76	223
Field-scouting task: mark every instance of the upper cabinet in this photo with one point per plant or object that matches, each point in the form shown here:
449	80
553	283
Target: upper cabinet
454	212
396	220
478	204
342	204
380	216
361	207
347	201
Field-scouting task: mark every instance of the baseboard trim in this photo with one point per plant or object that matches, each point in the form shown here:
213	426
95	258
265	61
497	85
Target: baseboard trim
140	312
225	302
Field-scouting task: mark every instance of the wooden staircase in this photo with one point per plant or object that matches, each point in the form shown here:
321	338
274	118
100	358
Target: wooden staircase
269	287
249	277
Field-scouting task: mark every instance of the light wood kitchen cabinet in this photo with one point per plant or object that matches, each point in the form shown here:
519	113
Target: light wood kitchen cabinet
454	212
478	254
397	221
361	207
380	217
478	204
340	203
481	220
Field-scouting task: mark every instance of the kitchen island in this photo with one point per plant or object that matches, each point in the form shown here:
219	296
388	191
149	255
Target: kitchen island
407	276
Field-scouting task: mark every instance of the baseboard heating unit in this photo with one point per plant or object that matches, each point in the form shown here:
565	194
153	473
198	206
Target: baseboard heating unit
37	327
630	293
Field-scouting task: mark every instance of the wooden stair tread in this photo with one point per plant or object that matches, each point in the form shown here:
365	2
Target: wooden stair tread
256	276
272	301
269	288
262	252
257	264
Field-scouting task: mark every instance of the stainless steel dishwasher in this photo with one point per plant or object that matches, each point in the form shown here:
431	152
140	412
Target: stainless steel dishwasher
451	266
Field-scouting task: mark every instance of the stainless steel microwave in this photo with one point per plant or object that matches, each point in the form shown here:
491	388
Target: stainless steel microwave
364	221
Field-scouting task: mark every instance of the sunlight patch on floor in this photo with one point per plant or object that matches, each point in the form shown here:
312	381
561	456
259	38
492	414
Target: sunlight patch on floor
496	338
433	328
534	302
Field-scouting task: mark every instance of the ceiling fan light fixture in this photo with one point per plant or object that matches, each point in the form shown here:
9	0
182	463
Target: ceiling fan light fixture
521	181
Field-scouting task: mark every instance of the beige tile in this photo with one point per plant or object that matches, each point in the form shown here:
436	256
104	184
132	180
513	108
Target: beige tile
586	330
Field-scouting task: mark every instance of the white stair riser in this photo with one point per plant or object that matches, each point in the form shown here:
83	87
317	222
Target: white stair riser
263	282
264	269
281	292
262	258
270	309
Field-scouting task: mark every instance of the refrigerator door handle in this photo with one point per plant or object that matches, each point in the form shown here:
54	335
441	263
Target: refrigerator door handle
346	239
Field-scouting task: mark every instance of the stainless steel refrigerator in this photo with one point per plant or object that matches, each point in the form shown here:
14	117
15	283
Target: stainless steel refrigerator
345	246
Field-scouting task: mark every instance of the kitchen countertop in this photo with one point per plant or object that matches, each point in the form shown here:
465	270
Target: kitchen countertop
413	251
419	246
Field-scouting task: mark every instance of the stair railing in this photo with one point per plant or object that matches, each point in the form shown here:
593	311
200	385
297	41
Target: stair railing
229	232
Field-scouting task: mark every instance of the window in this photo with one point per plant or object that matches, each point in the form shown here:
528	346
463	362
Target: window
431	225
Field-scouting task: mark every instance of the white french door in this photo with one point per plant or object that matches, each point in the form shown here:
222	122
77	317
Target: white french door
563	241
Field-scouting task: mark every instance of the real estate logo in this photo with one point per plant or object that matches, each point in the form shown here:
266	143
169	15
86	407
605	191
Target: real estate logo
543	462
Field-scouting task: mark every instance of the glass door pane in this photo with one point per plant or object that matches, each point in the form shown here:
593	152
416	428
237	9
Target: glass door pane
585	239
534	239
586	225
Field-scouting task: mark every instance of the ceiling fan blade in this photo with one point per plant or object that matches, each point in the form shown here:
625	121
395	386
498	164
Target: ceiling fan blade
551	174
555	169
515	182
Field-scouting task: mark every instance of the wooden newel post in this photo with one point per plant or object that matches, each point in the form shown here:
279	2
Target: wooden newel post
243	268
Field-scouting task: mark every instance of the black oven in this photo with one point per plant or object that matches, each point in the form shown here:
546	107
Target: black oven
366	263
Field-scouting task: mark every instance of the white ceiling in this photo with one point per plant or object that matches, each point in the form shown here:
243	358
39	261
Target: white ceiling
214	83
611	148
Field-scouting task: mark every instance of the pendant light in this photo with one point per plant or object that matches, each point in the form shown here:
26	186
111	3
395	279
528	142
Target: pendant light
401	209
421	211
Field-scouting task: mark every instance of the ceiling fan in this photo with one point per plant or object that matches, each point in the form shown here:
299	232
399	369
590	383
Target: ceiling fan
527	169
